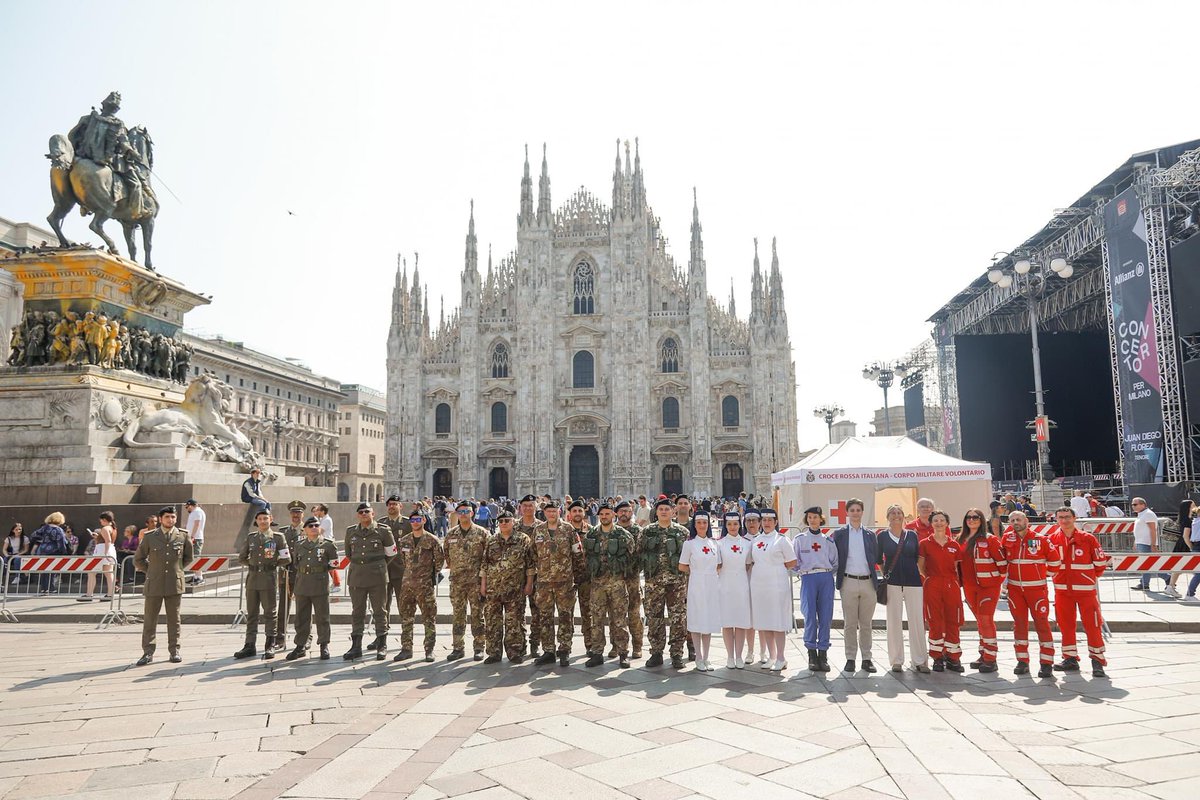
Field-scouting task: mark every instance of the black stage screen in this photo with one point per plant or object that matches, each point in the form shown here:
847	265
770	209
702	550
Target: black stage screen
914	406
995	398
1185	285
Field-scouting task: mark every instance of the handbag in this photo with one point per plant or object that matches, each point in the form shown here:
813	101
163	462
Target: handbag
881	589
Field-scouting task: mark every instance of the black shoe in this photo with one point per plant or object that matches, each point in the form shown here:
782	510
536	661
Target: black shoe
677	662
691	653
246	651
492	660
517	659
868	667
1068	664
373	645
939	665
977	664
299	652
428	656
403	655
175	658
268	654
1098	669
144	660
324	652
623	663
355	650
823	660
455	655
954	666
1046	671
814	662
478	657
594	660
1022	668
655	660
380	648
544	659
987	666
849	666
564	660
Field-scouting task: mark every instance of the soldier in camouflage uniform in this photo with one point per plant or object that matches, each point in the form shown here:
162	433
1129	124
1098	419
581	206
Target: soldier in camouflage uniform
369	546
312	558
583	584
262	553
464	544
666	586
527	524
292	534
608	550
505	579
423	559
557	548
633	578
399	526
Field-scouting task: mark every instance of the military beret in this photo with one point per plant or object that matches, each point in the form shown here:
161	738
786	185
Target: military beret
467	504
296	505
812	510
260	513
607	506
555	504
395	498
311	521
166	510
363	507
752	512
576	504
505	515
624	504
528	499
662	501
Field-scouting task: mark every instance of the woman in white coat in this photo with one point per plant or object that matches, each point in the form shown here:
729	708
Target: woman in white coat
700	560
771	589
734	583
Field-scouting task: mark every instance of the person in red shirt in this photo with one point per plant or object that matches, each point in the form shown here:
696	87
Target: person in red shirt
983	565
1083	562
1031	558
921	523
937	561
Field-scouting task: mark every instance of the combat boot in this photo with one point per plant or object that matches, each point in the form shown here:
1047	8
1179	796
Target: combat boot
594	660
492	660
1098	669
299	652
623	663
564	660
988	666
823	659
246	651
1022	668
355	650
428	656
380	647
655	660
544	659
1068	664
814	661
612	652
268	654
677	662
324	652
403	655
455	655
1046	671
373	645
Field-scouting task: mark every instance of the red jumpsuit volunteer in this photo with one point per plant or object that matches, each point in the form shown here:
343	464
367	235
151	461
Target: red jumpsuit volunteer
921	523
1083	562
937	561
983	565
1031	558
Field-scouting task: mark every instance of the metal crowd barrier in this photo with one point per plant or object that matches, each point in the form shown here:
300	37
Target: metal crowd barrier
210	577
60	576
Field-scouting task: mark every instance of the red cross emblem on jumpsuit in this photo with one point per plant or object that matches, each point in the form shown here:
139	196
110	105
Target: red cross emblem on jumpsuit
1083	562
1031	559
983	566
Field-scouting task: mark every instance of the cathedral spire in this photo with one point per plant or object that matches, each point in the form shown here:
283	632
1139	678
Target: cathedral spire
638	193
526	216
618	203
696	261
756	286
732	304
472	257
425	319
777	310
442	315
544	211
490	273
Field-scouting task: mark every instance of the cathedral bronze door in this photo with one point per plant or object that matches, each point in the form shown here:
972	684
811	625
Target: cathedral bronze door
443	483
498	482
731	480
672	479
584	471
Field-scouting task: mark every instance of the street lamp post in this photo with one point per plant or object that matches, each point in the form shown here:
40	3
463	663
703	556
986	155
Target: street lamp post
829	413
883	374
1030	278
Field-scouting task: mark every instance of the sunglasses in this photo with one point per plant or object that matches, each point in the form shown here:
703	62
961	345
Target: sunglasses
364	512
313	525
974	516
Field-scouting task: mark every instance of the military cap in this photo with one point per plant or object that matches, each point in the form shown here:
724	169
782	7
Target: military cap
752	512
296	505
576	504
553	503
191	502
807	511
257	514
506	514
467	504
166	510
364	507
395	498
623	504
528	499
662	501
311	521
606	506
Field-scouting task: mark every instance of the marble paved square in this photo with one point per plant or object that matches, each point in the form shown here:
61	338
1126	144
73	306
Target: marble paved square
77	719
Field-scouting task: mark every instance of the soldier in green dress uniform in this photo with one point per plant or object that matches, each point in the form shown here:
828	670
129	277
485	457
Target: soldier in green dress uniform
293	532
262	553
162	555
369	546
313	558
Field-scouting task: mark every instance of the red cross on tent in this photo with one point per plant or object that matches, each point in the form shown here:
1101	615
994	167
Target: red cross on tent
838	512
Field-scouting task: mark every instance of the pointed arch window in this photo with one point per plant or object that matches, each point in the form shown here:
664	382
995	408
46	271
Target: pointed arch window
670	355
583	289
500	360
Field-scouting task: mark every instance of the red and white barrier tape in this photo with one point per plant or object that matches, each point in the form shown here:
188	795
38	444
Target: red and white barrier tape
65	563
208	564
1150	562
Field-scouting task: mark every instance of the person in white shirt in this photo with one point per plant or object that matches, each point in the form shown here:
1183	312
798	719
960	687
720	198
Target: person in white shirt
643	512
856	579
196	518
1145	538
1080	505
1113	511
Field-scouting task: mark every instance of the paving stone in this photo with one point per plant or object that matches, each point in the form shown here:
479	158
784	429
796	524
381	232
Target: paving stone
835	772
350	775
658	762
481	757
251	764
150	773
575	757
666	736
409	731
211	788
984	786
755	740
662	717
544	780
583	734
754	763
47	766
719	781
1157	770
465	783
62	784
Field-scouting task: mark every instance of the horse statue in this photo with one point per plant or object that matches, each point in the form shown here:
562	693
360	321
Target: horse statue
90	179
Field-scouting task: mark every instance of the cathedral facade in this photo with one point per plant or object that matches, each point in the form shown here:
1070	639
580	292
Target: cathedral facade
588	362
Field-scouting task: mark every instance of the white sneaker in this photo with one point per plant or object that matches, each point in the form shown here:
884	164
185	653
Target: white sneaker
778	666
738	663
1171	590
84	598
750	658
700	666
709	667
763	661
730	663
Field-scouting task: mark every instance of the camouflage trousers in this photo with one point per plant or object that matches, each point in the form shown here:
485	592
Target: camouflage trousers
410	599
609	595
551	597
633	587
464	594
669	592
504	621
584	592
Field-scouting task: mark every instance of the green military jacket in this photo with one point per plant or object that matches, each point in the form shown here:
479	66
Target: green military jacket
555	552
507	563
313	560
635	567
660	551
578	562
163	555
293	537
422	560
263	554
399	527
464	552
609	554
369	550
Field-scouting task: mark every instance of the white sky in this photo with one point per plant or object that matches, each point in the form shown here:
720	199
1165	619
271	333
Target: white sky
892	147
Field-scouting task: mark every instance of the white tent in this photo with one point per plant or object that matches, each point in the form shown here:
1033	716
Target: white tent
879	470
